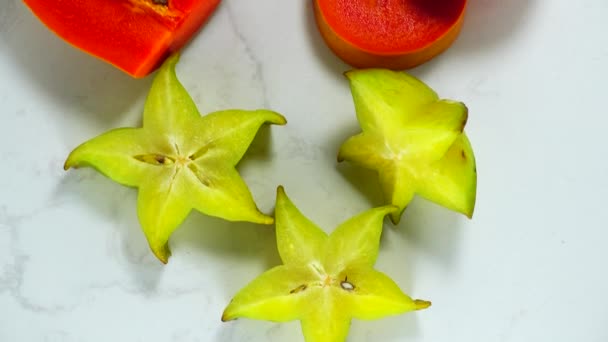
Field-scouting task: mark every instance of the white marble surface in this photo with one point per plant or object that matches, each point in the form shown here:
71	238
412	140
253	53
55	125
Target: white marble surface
530	266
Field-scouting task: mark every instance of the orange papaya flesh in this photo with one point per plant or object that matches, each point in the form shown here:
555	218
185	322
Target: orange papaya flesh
133	35
395	34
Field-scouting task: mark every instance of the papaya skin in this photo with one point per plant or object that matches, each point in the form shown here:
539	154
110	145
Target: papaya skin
360	57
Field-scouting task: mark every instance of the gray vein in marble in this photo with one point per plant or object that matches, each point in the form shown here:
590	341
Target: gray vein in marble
258	72
173	293
273	332
12	276
12	279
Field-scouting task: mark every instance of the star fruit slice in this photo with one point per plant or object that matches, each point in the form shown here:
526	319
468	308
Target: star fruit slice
179	160
413	139
324	281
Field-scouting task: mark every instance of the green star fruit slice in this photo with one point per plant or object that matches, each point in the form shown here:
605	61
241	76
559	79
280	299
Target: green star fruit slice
411	138
325	281
179	160
375	295
407	115
454	179
356	241
299	240
280	294
328	321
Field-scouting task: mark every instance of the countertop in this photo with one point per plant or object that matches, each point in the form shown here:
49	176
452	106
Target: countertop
529	266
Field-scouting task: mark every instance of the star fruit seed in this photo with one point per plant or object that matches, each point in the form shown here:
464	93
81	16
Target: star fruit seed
324	281
179	160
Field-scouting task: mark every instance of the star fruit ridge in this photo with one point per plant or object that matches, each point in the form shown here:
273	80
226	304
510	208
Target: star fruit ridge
179	160
325	280
414	140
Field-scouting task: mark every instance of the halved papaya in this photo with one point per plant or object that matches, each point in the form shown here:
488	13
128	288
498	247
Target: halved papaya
395	34
133	35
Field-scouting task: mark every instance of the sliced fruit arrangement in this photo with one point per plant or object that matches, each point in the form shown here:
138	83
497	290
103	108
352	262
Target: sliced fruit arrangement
133	35
413	139
179	160
324	281
394	34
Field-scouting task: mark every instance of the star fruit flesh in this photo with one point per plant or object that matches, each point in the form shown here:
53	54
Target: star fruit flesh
414	140
324	281
179	160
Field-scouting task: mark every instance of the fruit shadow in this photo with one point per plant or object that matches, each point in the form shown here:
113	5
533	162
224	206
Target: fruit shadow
322	52
430	228
400	265
432	231
403	327
490	22
238	243
261	149
198	237
210	234
127	244
487	25
247	249
402	272
69	77
363	180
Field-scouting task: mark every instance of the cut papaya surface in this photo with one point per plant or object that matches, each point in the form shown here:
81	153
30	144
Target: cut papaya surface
395	34
133	35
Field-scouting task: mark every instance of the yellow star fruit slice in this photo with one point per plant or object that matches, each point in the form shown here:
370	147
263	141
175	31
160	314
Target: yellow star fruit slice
325	281
413	139
179	160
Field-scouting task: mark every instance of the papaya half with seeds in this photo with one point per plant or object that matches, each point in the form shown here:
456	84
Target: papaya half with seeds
393	34
133	35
